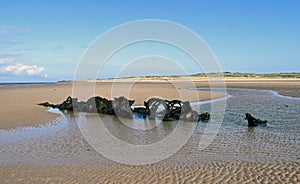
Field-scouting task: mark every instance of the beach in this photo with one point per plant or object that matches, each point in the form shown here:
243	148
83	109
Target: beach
21	101
71	160
133	92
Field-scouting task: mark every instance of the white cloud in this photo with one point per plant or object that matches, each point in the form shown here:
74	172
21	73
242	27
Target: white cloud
11	67
22	69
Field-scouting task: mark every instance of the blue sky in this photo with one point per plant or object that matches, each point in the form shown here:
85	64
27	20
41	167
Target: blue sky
44	40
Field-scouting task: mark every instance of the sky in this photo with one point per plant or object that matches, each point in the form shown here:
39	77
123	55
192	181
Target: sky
45	40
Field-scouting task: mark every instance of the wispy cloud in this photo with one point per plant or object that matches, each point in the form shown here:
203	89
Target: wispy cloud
9	55
8	30
10	35
57	47
8	42
11	67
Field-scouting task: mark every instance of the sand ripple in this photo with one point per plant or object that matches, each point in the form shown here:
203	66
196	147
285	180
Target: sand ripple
214	172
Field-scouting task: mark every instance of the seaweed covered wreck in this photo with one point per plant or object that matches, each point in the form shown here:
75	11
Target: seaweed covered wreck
122	107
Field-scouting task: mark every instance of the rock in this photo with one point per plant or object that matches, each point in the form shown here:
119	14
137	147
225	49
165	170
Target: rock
101	105
191	116
91	104
152	106
122	107
46	104
204	116
186	107
173	110
253	121
141	112
67	104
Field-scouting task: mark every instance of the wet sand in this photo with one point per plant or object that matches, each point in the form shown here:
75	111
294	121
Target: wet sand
283	87
230	171
214	172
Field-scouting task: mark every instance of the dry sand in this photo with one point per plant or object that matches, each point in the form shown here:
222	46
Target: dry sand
18	108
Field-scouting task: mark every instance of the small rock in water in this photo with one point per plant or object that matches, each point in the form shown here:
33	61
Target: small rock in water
204	116
252	122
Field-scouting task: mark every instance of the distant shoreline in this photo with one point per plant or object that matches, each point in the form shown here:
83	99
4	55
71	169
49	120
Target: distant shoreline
204	76
18	83
194	77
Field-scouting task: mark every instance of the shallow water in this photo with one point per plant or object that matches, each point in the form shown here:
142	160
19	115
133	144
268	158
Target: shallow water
62	142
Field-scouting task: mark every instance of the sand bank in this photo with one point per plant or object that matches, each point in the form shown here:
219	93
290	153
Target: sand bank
286	87
19	107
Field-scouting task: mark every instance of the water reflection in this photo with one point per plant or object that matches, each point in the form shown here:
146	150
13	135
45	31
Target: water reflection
250	131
